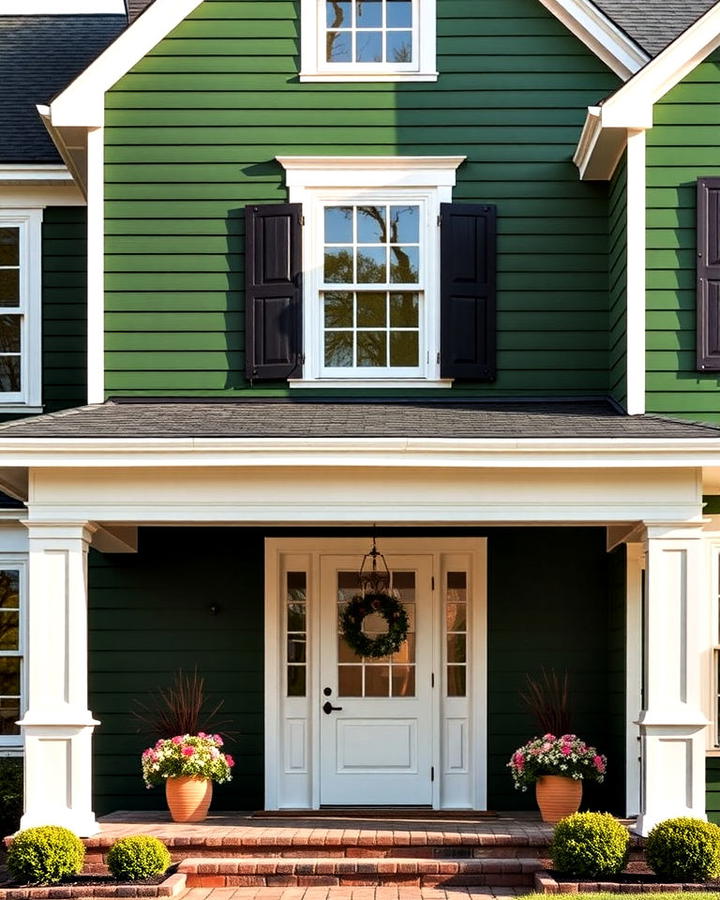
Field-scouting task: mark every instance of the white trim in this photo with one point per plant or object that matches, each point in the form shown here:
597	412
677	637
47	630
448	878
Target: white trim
636	272
34	173
600	34
40	196
314	66
326	383
96	267
630	109
633	674
62	7
417	171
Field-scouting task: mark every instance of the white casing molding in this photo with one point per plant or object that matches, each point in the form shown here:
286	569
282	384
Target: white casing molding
673	724
600	34
62	7
633	674
57	727
636	272
96	267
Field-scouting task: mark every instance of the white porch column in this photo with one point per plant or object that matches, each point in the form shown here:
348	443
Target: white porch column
57	727
672	724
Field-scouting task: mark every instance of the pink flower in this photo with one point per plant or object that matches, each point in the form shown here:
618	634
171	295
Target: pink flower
599	764
568	738
188	751
201	734
565	750
548	737
177	740
218	740
229	760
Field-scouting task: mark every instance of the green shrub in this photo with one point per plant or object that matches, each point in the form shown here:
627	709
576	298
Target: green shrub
138	856
684	849
592	845
11	794
45	855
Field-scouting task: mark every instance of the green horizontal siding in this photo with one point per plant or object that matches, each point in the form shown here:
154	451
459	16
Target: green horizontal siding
681	148
618	285
192	133
712	789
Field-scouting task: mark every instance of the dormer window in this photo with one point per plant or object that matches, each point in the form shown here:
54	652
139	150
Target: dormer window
368	40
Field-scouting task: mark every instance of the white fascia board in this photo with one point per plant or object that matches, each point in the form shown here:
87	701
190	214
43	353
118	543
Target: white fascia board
600	34
370	171
82	104
34	173
62	7
469	453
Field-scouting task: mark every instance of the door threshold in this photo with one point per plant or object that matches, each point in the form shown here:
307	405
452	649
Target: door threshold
375	812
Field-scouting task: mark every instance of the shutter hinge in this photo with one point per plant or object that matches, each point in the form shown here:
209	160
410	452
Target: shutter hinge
438	358
432	773
439	221
432	679
302	220
302	359
432	582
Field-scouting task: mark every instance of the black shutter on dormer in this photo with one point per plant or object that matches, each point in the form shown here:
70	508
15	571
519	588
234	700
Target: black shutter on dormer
467	298
273	291
708	274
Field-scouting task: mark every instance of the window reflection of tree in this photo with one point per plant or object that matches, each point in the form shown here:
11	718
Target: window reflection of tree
9	343
338	22
9	666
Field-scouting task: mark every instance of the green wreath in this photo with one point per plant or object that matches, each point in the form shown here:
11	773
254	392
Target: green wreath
391	609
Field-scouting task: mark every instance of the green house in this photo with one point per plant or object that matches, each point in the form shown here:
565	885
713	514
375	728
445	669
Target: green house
283	278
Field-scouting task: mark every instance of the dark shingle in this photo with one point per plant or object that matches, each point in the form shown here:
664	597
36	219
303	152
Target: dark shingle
653	24
135	7
39	57
297	419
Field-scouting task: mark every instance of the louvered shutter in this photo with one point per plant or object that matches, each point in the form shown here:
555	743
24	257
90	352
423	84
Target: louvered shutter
708	274
273	291
467	260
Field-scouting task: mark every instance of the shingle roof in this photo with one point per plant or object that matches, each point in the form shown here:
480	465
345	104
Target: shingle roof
39	56
653	24
297	419
135	7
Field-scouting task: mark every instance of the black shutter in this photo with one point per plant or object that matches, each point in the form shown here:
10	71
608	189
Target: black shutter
708	274
467	301
273	291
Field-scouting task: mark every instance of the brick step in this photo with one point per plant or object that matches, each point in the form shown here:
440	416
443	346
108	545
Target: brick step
378	871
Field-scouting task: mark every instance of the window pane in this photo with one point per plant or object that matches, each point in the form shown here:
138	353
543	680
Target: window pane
399	13
456	617
371	310
9	374
369	46
338	349
338	224
377	681
456	648
9	633
338	13
399	47
371	225
375	624
406	651
350	681
296	617
339	46
345	653
403	681
10	676
9	287
9	246
9	334
404	265
9	588
404	310
457	581
456	681
9	715
339	265
372	265
296	681
404	348
404	224
339	310
372	348
296	648
369	14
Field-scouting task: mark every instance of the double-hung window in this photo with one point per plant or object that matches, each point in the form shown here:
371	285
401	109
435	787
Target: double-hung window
12	648
20	328
368	40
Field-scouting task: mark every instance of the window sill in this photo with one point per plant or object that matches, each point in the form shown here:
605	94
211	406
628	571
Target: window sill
350	76
370	383
6	408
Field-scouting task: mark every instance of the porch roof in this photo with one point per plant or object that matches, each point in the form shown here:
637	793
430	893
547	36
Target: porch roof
268	418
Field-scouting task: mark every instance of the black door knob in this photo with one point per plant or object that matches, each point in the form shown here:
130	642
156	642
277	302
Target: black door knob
328	708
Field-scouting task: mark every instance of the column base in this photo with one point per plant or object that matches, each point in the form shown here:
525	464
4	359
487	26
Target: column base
83	825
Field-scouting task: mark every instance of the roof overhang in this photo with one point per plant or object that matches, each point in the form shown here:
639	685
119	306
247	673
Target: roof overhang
630	109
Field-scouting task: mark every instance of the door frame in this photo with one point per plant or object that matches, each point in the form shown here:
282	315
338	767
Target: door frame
292	736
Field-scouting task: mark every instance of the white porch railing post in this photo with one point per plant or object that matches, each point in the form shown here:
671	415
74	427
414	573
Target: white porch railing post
672	724
57	727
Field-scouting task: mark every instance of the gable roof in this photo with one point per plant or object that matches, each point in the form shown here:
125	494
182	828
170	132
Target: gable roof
653	24
39	55
136	7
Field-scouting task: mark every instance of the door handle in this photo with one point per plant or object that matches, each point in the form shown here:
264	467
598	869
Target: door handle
328	708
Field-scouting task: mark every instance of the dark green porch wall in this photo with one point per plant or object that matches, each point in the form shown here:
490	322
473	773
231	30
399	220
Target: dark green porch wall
681	148
553	602
618	285
191	136
712	792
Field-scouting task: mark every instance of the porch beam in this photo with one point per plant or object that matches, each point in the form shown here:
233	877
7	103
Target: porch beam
57	727
672	724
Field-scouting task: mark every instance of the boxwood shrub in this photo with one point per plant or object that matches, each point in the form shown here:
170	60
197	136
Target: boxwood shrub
684	849
138	856
589	845
45	855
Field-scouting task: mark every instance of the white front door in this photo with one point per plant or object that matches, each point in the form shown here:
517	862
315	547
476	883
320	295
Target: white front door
377	721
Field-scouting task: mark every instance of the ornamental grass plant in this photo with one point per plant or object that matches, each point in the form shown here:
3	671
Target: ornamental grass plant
187	755
550	755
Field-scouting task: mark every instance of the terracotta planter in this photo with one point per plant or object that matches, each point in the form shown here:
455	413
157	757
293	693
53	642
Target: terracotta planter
188	798
557	797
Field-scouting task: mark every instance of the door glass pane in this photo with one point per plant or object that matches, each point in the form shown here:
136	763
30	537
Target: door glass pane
377	681
296	618
350	681
456	627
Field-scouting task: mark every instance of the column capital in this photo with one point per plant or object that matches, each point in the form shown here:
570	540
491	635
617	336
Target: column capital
60	531
673	531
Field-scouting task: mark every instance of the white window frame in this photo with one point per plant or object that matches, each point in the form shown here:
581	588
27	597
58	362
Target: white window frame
29	222
10	742
316	182
315	67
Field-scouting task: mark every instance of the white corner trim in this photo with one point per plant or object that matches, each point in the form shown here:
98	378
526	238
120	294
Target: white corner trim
82	103
62	8
631	107
96	267
636	272
600	34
